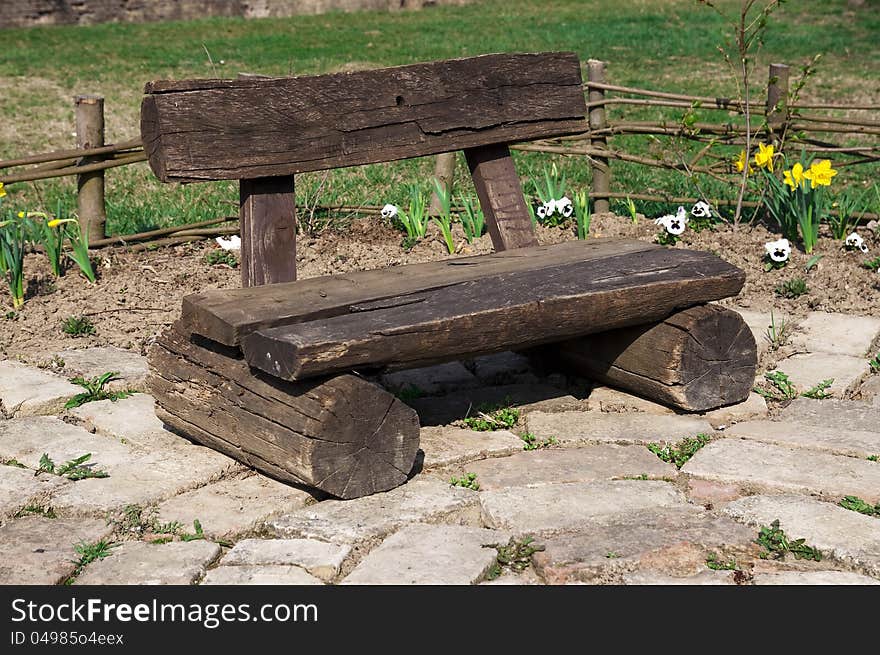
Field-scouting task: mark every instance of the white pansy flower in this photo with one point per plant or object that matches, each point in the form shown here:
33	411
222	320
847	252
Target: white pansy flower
778	250
673	223
855	241
681	215
701	210
564	206
547	209
232	243
389	211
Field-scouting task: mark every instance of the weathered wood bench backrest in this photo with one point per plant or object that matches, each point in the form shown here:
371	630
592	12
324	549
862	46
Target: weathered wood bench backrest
264	131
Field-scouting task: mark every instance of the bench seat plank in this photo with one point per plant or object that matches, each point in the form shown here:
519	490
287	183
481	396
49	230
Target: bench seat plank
215	130
225	315
509	310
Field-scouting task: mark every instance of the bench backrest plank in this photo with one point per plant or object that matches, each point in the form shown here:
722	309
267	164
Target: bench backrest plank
250	128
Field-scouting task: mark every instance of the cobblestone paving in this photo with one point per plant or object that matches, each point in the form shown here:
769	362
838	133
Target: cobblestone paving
586	502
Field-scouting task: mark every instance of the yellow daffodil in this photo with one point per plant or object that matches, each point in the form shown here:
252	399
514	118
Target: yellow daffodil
2	190
795	177
820	173
764	157
740	163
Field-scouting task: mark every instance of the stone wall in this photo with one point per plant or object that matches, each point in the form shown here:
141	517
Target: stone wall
26	13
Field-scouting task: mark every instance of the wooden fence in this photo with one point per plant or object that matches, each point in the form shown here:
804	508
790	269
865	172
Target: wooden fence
777	120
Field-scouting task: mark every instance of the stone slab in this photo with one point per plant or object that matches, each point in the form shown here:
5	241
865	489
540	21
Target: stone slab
808	370
526	397
131	419
556	465
232	506
614	401
572	506
840	440
766	466
26	391
640	428
423	499
443	445
500	368
140	563
146	479
320	558
840	533
813	578
20	487
712	494
672	541
833	413
753	407
703	578
40	551
758	322
130	367
836	334
429	554
431	380
272	574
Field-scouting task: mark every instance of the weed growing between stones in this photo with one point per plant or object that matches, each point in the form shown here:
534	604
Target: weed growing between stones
716	564
468	481
88	553
531	442
75	469
856	504
873	458
777	544
874	363
681	452
489	418
12	462
781	389
38	510
515	555
777	334
94	390
819	392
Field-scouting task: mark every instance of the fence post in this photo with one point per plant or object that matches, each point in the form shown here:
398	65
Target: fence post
776	111
599	165
90	186
444	171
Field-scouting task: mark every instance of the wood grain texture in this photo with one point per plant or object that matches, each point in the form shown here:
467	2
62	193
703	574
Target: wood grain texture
500	312
226	315
248	128
697	359
344	435
268	231
501	197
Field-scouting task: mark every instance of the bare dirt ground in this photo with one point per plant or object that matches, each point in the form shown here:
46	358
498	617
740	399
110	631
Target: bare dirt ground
138	293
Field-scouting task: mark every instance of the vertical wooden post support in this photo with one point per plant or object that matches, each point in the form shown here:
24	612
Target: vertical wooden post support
501	196
89	111
777	100
599	165
444	171
268	230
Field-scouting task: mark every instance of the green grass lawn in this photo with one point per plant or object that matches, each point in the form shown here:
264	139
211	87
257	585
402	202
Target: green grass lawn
666	45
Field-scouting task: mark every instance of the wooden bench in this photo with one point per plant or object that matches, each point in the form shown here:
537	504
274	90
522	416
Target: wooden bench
271	373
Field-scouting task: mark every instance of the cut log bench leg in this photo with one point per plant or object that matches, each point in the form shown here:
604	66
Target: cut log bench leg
343	435
698	359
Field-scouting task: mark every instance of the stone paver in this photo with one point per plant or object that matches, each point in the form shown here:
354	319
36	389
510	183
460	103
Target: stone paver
430	554
139	563
423	499
572	506
758	323
808	370
320	558
702	578
614	401
27	439
553	466
431	380
25	390
641	428
710	493
674	541
146	478
130	367
840	533
836	334
232	506
766	466
753	407
834	413
840	440
444	445
813	578
526	397
132	419
40	551
272	574
20	487
500	368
